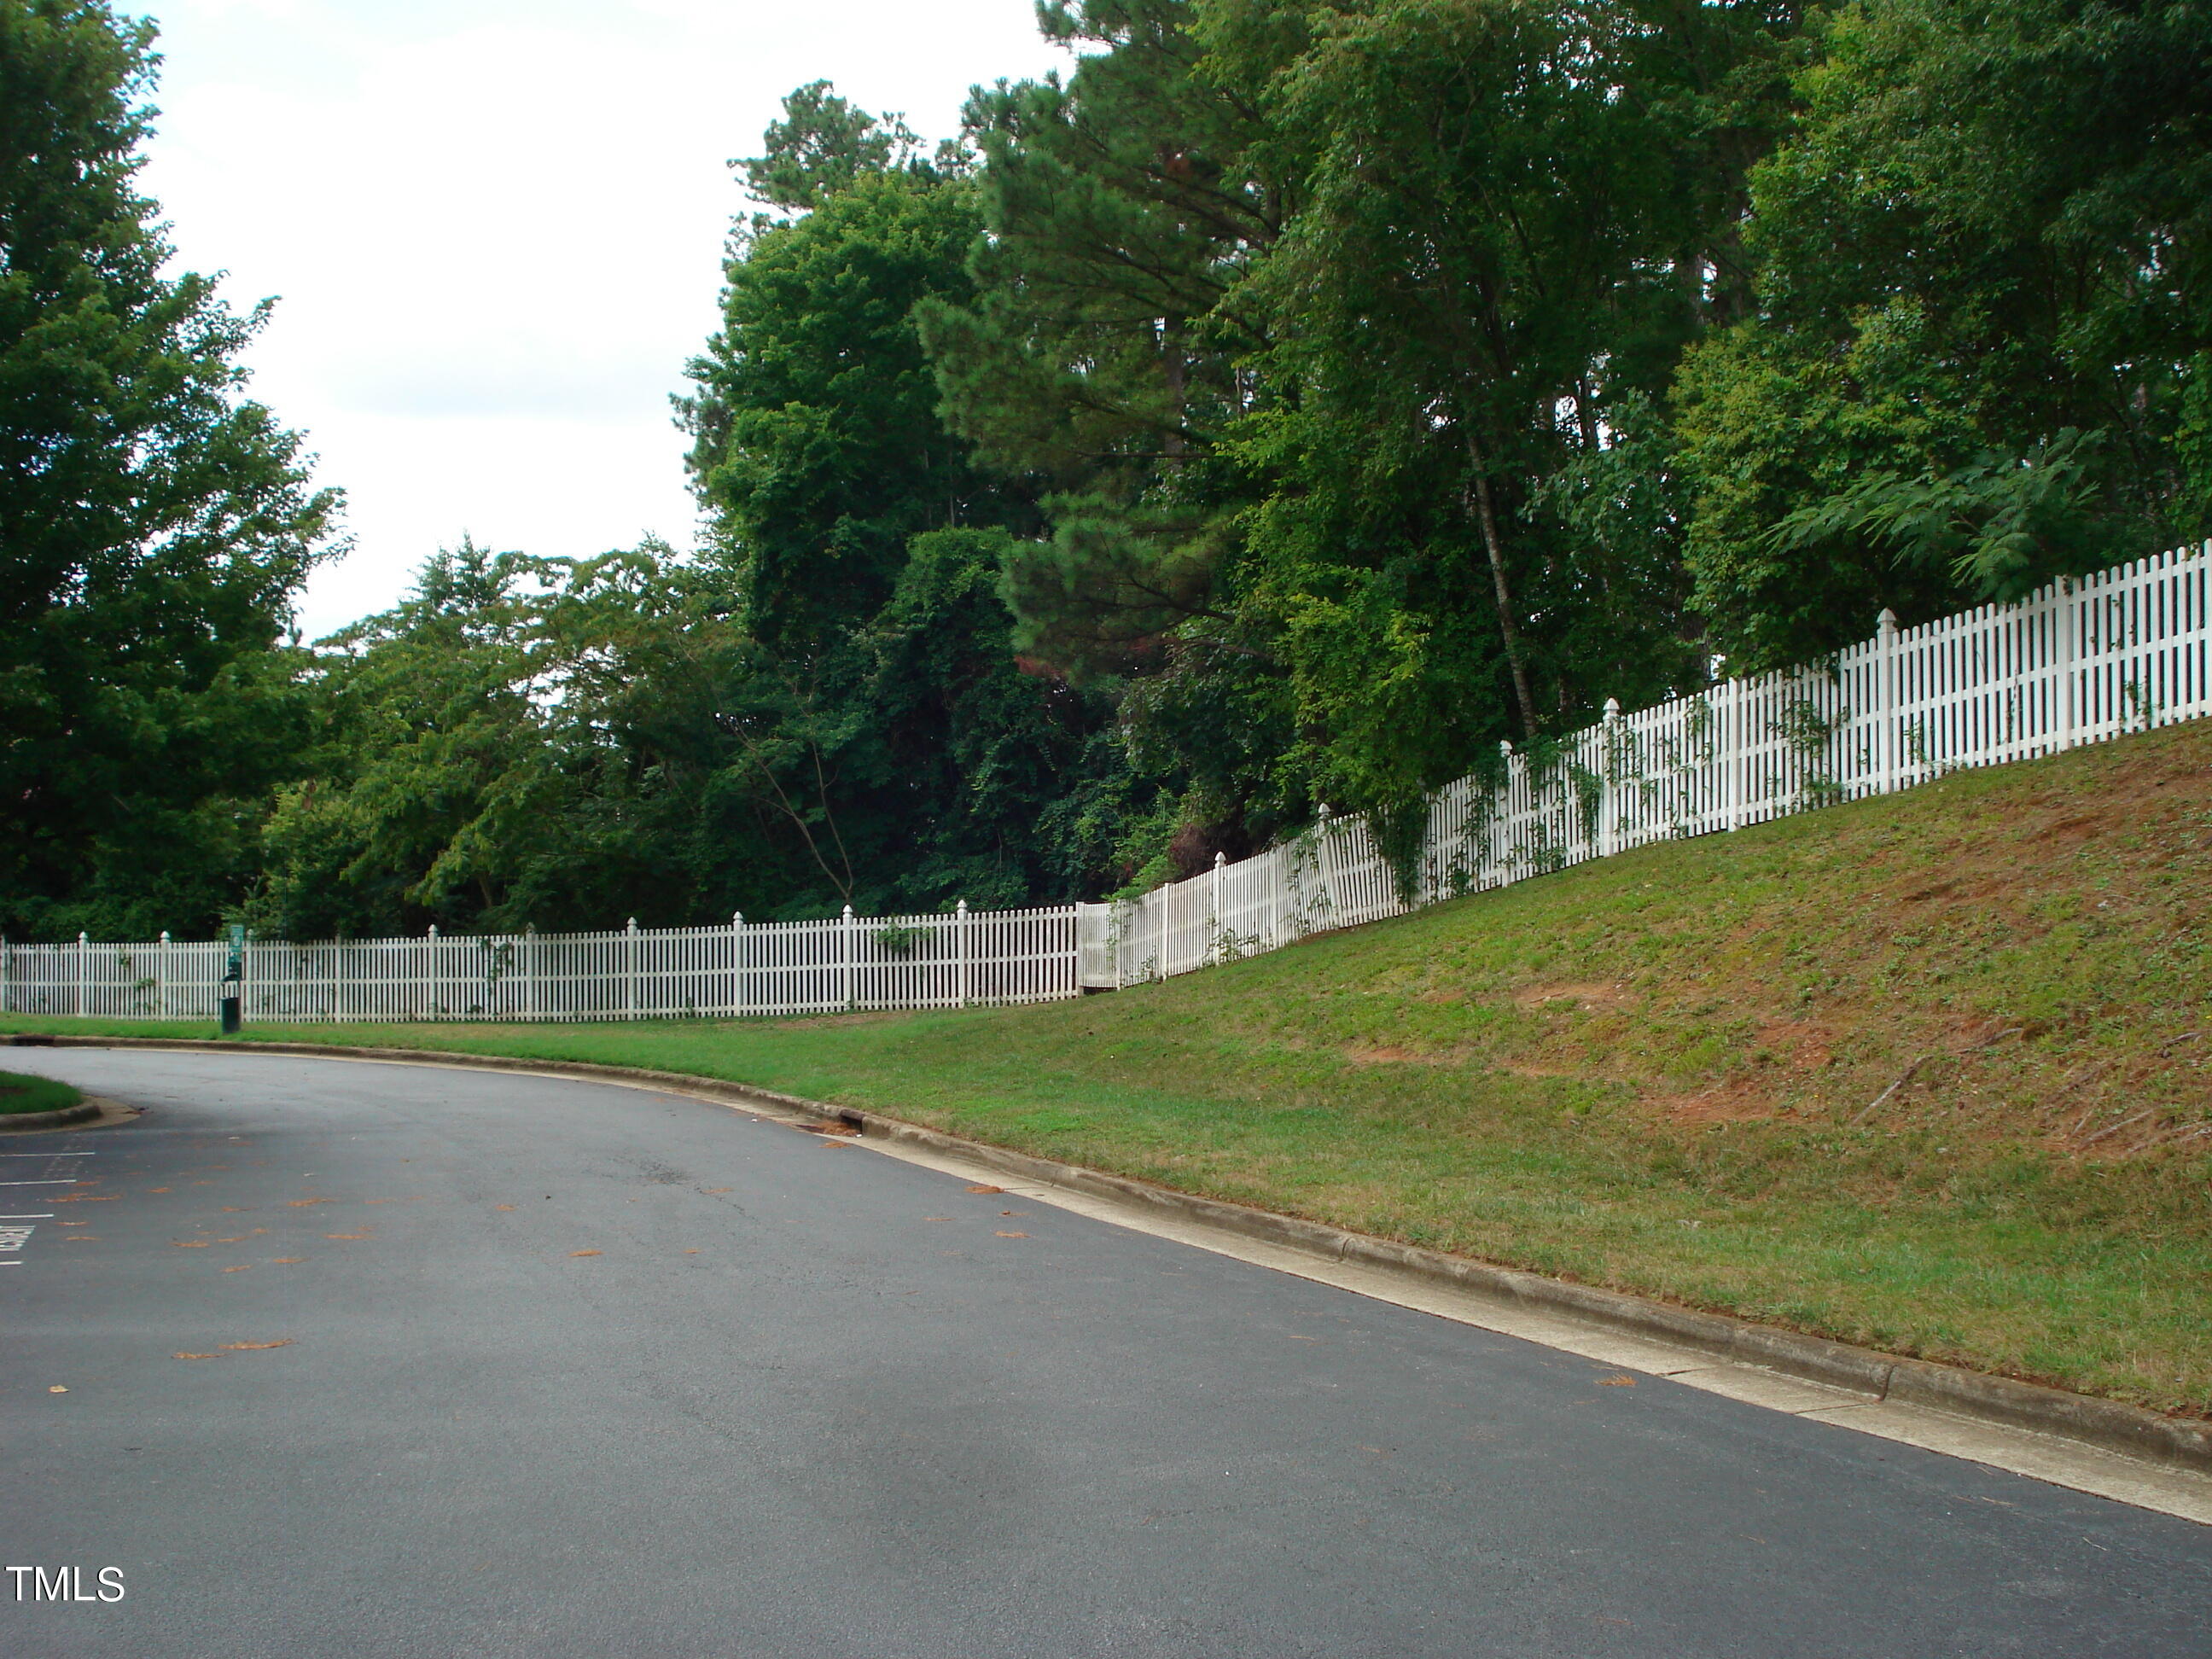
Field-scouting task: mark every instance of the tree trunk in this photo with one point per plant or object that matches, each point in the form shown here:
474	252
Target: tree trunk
1486	514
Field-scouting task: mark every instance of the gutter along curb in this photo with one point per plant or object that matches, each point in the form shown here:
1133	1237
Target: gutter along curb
2180	1443
61	1117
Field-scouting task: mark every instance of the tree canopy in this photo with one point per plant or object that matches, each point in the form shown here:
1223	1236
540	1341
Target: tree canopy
1284	405
155	525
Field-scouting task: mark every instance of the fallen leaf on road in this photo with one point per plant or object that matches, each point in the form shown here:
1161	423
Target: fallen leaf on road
1014	1235
85	1198
287	1260
503	1206
240	1268
1623	1381
937	1218
233	1209
690	1252
986	1190
58	1388
197	1356
710	1190
236	1348
345	1234
303	1203
157	1189
583	1253
240	1239
192	1244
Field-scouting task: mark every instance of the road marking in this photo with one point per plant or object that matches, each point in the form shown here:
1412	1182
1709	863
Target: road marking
13	1239
70	1181
43	1215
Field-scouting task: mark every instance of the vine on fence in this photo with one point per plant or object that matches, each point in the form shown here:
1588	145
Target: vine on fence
1809	733
899	941
1401	834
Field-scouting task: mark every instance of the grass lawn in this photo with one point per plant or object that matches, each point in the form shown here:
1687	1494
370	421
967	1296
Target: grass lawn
1926	1073
34	1094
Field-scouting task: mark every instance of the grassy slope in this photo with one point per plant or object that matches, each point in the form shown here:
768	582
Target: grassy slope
34	1094
1654	1072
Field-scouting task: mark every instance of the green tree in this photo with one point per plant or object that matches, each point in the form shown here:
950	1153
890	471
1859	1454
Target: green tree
1979	357
817	445
1338	334
154	527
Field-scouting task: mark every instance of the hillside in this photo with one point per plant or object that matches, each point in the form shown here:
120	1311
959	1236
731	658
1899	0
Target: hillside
1926	1073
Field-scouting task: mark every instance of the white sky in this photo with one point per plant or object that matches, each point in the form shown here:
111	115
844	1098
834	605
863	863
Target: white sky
495	229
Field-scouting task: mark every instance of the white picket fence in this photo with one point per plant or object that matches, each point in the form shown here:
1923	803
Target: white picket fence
743	968
2080	662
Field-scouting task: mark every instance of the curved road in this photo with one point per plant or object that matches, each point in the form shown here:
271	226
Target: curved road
573	1370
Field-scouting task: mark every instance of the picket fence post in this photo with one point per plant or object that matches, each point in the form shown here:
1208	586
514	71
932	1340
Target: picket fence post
530	970
1325	864
1214	902
2069	660
965	951
1608	831
845	955
1732	756
162	978
629	969
82	945
1884	695
737	962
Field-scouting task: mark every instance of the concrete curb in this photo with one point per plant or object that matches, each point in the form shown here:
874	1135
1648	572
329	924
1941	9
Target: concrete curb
2179	1443
21	1123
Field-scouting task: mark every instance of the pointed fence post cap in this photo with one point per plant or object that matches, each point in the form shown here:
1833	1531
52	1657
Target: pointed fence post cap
1887	621
165	936
633	924
1220	859
1613	708
83	938
433	930
1505	746
737	918
849	912
961	909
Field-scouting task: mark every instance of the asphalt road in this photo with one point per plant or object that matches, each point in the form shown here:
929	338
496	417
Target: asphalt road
572	1370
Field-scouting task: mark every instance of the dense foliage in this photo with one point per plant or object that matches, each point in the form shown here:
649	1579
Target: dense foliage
1286	404
153	525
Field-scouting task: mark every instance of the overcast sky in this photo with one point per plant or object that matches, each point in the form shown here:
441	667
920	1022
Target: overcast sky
495	228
